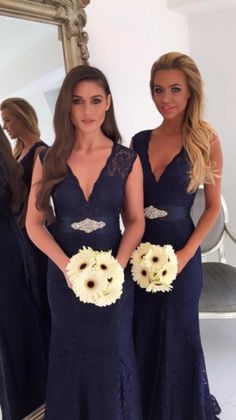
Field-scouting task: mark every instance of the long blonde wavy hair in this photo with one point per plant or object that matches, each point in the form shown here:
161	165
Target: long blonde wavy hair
197	133
24	111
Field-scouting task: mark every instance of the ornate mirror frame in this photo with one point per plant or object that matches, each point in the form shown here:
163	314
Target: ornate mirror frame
68	15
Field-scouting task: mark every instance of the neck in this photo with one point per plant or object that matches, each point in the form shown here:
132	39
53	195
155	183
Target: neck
89	141
173	127
29	139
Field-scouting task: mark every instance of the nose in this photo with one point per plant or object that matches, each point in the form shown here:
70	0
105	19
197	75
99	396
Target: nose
87	108
166	96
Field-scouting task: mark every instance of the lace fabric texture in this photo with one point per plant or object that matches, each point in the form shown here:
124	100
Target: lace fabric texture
92	358
174	383
23	362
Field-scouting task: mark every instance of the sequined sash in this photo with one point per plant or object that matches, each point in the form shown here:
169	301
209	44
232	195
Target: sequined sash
101	225
165	213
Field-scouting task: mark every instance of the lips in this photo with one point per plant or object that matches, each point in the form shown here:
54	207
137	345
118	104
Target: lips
168	108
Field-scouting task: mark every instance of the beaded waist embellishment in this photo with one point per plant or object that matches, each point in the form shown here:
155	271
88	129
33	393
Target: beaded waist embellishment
88	225
152	212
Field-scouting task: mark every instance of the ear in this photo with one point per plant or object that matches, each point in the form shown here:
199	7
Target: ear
108	102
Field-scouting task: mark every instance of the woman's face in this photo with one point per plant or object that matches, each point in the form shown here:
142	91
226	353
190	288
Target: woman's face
12	125
171	93
89	106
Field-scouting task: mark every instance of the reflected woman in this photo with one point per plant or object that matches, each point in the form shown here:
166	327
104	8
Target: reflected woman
21	123
23	366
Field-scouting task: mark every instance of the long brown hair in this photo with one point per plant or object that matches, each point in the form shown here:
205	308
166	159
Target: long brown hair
22	110
13	174
54	167
197	133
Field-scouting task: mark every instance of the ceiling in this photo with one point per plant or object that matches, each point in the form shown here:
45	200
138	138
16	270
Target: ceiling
200	6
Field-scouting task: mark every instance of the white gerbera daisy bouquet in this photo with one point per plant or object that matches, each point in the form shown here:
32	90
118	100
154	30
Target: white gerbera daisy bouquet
96	276
154	267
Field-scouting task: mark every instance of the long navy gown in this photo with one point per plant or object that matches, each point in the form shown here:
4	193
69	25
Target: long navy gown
170	359
37	260
23	365
92	367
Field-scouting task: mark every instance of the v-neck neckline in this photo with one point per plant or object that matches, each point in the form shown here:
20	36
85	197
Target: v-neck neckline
166	167
88	199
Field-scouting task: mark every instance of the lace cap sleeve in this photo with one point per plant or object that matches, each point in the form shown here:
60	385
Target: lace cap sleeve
140	139
42	154
122	162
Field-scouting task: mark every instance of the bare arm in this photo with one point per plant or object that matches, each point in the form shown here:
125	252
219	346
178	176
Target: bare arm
211	212
133	214
35	225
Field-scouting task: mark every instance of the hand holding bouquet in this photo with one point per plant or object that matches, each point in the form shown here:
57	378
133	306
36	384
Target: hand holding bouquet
154	267
96	276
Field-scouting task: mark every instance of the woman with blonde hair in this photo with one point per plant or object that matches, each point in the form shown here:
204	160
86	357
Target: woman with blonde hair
177	156
21	123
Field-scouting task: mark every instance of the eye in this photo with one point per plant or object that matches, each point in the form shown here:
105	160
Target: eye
96	101
77	101
158	90
175	89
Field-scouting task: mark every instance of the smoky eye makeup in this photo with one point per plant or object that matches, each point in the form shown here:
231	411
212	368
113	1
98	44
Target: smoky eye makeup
94	99
158	89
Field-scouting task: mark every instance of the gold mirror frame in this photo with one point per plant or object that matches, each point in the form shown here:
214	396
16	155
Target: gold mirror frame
68	15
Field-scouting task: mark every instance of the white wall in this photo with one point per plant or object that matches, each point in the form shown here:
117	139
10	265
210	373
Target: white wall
125	38
213	48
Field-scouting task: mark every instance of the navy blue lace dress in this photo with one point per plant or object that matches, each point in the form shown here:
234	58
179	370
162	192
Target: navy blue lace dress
23	365
170	359
37	260
92	368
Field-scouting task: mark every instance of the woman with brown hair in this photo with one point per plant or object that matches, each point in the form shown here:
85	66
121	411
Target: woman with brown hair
91	179
23	366
177	156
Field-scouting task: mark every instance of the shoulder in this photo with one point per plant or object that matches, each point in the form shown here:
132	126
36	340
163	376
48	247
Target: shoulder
42	153
125	151
140	139
122	160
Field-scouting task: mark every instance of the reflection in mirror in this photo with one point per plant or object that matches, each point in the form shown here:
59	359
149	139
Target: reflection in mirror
41	40
32	68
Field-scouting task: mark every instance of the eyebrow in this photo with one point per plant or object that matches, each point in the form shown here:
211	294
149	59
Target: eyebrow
174	84
94	96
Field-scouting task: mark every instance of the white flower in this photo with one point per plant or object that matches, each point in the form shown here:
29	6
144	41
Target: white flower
171	256
88	285
140	274
106	263
152	287
109	295
96	276
156	257
83	260
114	275
157	268
139	253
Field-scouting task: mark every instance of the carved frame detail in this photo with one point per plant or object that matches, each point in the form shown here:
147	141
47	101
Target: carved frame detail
68	15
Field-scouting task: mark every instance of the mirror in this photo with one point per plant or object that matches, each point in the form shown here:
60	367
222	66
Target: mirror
41	41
